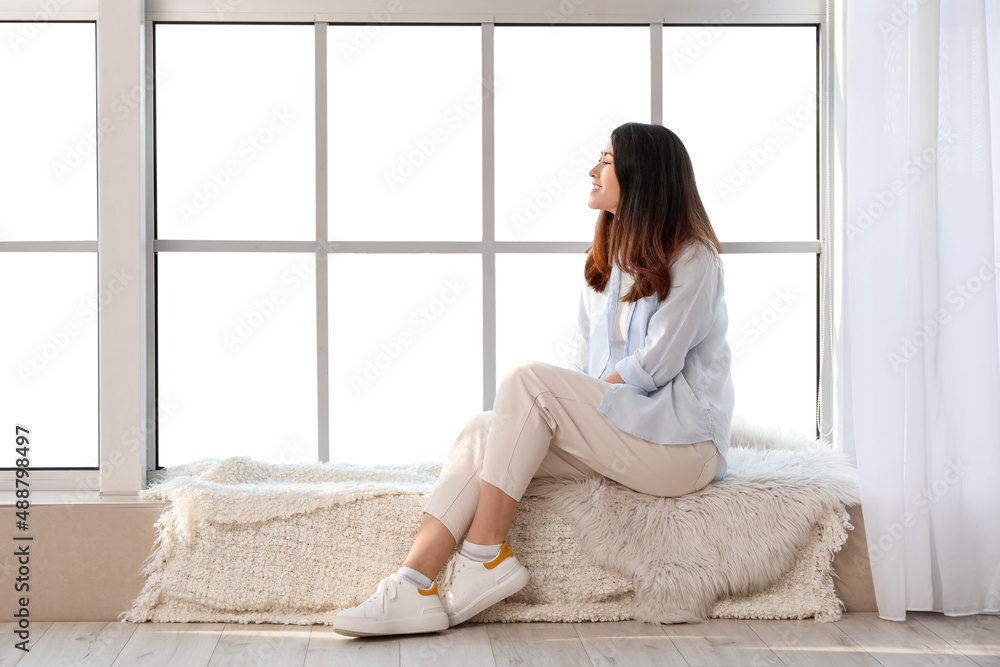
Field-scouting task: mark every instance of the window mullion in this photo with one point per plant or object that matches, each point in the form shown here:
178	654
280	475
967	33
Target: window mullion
489	228
322	266
121	156
149	268
656	73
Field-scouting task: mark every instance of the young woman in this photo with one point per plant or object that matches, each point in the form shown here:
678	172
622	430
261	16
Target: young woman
647	402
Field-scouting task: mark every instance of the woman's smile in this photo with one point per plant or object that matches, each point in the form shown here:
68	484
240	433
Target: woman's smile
604	193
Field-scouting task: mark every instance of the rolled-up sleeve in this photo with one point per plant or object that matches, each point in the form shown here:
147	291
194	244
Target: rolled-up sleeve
681	321
579	356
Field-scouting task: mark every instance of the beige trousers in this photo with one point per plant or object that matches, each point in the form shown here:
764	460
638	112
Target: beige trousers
545	423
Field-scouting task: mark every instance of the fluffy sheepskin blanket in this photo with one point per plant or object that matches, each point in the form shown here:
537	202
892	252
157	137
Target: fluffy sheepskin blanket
247	541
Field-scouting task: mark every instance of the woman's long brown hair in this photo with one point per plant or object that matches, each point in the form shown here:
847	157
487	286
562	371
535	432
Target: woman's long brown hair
659	212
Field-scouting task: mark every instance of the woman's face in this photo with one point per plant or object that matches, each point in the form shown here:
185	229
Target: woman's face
604	188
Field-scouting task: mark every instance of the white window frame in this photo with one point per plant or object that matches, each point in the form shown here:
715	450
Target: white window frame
126	328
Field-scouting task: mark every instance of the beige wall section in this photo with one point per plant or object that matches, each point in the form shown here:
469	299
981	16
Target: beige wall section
85	561
851	564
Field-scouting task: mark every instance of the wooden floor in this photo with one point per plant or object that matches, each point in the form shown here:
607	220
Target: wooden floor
857	639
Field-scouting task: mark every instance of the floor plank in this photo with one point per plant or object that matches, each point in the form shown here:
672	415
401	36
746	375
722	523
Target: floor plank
465	645
806	643
95	644
628	643
976	636
857	640
256	645
326	647
722	642
900	644
10	654
549	644
188	644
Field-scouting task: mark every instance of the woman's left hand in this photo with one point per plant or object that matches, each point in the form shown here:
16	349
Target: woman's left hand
613	378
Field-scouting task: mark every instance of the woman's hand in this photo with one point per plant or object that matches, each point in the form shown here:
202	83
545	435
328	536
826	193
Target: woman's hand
613	378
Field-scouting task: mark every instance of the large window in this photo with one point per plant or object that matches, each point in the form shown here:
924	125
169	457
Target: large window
316	233
49	297
377	308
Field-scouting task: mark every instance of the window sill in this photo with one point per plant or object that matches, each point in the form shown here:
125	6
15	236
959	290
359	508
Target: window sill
8	499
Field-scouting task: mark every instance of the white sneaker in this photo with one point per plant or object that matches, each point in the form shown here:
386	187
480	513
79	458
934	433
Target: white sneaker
397	607
468	586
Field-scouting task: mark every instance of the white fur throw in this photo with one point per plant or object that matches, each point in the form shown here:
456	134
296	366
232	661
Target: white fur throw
252	542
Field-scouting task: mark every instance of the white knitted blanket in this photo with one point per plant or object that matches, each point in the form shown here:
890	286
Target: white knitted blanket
253	542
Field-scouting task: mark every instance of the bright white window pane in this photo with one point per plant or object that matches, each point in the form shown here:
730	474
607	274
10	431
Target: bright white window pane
405	133
771	301
406	354
235	132
560	92
48	345
743	101
236	356
538	297
48	156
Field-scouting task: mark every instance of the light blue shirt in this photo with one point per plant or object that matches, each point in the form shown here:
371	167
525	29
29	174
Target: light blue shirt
678	386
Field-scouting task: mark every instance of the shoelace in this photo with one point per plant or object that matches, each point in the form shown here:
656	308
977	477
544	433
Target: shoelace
386	589
449	572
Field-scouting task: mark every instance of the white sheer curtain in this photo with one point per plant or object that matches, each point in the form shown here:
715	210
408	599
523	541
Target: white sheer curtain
921	348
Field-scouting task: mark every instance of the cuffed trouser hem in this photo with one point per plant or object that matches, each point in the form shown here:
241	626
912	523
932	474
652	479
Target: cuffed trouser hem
449	522
511	488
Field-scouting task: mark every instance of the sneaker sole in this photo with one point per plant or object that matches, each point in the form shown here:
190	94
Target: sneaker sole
399	626
491	597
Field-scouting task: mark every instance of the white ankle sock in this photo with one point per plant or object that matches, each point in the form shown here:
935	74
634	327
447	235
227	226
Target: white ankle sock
480	552
411	575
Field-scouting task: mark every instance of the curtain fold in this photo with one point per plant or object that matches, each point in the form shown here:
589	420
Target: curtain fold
921	328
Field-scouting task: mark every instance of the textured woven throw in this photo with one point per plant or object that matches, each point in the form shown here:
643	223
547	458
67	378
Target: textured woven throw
253	542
